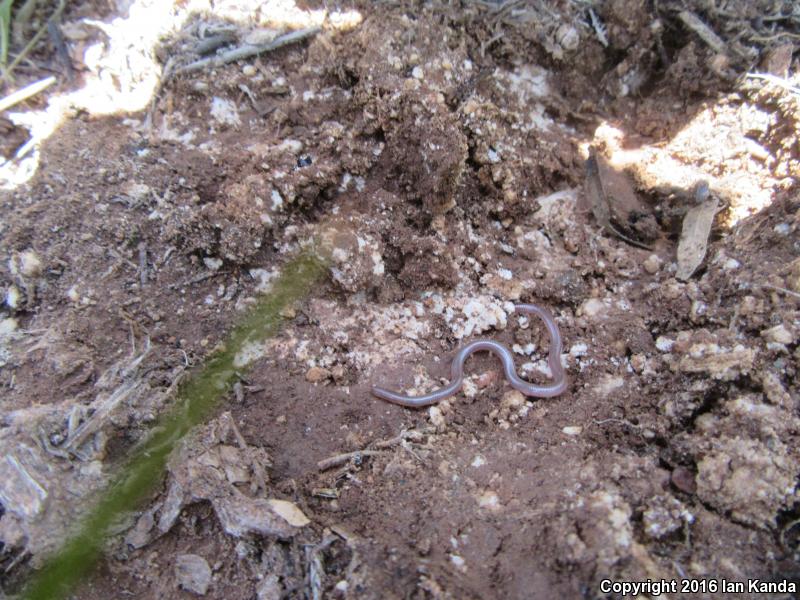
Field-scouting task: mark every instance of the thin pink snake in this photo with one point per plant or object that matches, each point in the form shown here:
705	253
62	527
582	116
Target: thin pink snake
555	388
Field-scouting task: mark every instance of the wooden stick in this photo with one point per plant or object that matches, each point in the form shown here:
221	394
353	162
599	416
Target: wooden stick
248	50
27	92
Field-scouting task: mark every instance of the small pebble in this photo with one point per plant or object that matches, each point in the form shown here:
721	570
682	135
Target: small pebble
436	416
592	307
638	362
489	500
317	374
664	344
193	573
212	263
572	430
8	326
30	265
778	335
684	480
652	264
12	297
513	399
249	70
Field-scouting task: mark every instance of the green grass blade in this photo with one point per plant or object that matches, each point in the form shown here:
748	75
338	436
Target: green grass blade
194	404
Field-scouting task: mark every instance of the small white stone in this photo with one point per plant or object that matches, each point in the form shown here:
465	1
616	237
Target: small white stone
457	560
12	297
72	294
782	229
513	399
592	307
478	461
30	265
8	326
489	500
212	263
193	573
731	264
652	264
572	430
263	279
417	72
436	416
778	334
224	111
493	156
664	344
277	199
579	349
469	388
249	70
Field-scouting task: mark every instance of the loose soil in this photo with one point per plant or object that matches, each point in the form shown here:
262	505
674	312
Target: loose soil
440	153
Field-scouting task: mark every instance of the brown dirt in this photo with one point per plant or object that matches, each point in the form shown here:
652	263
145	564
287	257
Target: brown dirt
434	149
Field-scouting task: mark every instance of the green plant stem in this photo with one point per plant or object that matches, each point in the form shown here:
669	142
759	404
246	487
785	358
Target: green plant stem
195	402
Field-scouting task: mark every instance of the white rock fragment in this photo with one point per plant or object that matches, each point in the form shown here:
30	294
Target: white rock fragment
140	535
782	229
721	363
731	264
269	588
489	500
478	461
592	308
579	349
263	279
8	326
224	111
291	146
12	297
572	430
30	265
436	417
469	388
240	516
277	199
482	313
20	492
512	400
608	384
378	267
458	561
213	264
663	515
192	573
290	512
664	344
652	264
525	350
778	334
417	72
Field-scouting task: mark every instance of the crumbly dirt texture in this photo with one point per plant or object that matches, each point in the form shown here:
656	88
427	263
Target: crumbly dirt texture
439	155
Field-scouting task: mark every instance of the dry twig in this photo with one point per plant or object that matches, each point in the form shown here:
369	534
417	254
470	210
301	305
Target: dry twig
248	50
27	92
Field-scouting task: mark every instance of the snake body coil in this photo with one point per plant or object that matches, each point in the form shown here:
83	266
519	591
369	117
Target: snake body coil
555	388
